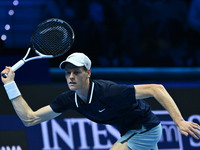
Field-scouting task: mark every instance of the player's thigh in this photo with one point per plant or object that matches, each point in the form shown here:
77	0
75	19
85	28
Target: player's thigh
120	146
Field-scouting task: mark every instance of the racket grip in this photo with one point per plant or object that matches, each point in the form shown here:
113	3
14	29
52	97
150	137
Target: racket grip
18	65
4	75
15	67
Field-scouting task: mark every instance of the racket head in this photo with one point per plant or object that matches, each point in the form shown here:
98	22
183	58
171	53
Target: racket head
52	37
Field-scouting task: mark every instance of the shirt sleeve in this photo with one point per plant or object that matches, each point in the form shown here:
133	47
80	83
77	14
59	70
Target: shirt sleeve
62	102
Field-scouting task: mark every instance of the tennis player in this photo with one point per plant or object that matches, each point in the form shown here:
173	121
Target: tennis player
104	102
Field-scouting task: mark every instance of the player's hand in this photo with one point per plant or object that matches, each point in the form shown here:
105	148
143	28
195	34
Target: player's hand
10	75
191	128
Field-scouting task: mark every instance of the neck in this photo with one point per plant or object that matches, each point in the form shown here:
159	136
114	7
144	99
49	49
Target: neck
83	93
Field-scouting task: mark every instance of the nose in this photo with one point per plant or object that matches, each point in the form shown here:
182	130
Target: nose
71	76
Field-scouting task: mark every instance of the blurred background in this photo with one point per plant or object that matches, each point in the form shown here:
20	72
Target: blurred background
128	41
114	33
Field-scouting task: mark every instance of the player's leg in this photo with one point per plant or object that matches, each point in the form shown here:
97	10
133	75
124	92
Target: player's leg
120	146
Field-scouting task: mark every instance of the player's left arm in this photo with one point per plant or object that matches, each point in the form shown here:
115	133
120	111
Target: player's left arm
162	96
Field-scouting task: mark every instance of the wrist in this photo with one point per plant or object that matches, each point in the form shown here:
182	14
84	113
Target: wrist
7	81
178	121
12	90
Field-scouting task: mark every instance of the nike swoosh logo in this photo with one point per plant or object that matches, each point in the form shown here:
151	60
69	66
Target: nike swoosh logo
102	110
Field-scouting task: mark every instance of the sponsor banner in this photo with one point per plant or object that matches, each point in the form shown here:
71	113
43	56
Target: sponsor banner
82	134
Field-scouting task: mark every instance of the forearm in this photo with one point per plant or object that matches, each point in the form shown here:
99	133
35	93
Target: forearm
163	97
23	110
30	117
25	113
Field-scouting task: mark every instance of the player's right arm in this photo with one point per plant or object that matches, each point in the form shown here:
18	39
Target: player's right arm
25	113
30	117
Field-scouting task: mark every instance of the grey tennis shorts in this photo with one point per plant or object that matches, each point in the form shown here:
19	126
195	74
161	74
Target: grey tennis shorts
142	139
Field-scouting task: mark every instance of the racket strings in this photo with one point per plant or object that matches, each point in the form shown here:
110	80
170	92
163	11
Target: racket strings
53	38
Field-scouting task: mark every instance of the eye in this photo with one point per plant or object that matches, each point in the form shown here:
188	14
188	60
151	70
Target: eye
77	72
67	73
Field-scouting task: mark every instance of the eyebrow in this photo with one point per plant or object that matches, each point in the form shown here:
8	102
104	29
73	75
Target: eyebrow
74	69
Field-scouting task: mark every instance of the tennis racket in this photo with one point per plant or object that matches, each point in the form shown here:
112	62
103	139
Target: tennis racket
52	38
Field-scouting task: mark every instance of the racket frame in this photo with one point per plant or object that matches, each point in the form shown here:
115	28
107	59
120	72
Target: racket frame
21	62
24	60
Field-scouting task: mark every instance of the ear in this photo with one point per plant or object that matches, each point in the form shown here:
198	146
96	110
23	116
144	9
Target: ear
89	73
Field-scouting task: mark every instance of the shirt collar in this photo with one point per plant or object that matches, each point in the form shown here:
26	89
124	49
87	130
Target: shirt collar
91	95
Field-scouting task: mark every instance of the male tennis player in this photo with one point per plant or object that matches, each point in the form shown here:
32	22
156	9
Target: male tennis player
104	102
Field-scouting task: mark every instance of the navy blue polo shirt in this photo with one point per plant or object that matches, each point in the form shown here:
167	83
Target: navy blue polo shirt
109	103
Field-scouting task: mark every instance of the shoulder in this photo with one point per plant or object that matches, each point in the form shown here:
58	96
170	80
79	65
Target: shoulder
111	87
67	93
63	102
103	84
64	98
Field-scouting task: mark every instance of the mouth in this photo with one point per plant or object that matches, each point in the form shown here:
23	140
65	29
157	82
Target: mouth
72	83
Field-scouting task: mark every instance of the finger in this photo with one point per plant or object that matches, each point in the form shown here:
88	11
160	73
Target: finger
8	68
192	133
184	133
196	132
195	126
5	71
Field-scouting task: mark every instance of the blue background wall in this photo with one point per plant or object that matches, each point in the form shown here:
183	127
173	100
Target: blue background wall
128	41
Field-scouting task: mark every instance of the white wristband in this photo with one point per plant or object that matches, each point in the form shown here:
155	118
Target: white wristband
12	90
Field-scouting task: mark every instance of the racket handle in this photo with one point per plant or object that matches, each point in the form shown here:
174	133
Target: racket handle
15	67
18	65
4	75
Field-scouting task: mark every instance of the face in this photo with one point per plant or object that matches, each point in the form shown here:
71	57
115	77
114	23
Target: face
77	77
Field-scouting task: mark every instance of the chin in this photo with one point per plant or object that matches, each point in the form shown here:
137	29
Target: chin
72	88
